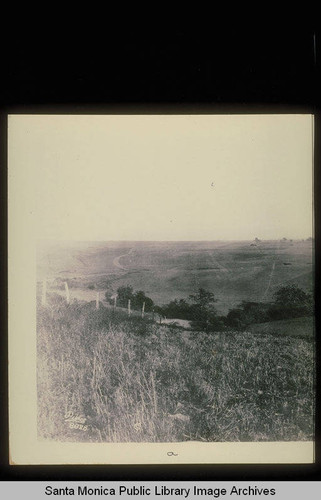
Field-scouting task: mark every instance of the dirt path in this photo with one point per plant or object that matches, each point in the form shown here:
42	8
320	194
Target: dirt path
292	278
117	259
269	283
271	273
223	268
219	265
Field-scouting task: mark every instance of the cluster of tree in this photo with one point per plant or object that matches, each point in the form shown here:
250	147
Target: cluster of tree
137	299
200	310
289	302
246	314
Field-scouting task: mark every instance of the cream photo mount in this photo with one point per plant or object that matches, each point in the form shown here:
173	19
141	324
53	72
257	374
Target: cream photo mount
101	178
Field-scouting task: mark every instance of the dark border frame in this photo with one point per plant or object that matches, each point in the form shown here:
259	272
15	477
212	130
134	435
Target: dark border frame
287	95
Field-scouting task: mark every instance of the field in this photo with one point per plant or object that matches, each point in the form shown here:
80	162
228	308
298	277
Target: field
105	378
233	271
296	327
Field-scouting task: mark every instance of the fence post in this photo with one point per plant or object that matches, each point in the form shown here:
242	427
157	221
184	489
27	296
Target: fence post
115	302
44	293
143	309
62	367
128	307
67	292
93	380
97	300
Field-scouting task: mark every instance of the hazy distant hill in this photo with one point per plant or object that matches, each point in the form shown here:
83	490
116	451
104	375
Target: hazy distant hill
233	271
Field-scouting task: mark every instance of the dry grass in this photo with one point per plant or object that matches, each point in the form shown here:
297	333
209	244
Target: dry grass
296	327
132	380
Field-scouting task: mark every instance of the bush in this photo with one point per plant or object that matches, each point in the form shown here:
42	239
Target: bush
179	309
290	302
200	311
138	300
126	293
246	314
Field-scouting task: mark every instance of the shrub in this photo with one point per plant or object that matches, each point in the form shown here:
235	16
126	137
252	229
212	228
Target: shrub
290	302
126	293
138	300
246	314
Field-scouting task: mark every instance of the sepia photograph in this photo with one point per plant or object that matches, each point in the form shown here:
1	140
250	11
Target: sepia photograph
175	341
161	288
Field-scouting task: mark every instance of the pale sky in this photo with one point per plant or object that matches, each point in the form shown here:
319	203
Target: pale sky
162	177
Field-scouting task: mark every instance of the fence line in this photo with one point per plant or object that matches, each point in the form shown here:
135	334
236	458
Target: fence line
100	301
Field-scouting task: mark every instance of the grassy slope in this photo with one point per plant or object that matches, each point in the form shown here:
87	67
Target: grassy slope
297	327
132	380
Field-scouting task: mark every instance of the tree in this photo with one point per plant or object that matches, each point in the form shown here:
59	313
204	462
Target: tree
291	295
291	302
124	294
202	310
160	311
203	298
235	318
246	314
139	298
179	309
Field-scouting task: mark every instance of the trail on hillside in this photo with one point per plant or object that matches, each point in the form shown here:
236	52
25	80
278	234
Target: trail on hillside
218	264
293	278
269	283
117	259
271	274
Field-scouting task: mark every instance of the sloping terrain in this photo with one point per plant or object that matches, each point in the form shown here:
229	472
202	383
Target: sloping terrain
105	378
296	327
233	271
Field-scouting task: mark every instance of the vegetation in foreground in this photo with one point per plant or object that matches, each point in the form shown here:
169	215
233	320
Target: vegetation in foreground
105	377
289	302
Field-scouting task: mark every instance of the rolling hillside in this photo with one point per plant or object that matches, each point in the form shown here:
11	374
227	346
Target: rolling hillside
233	271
